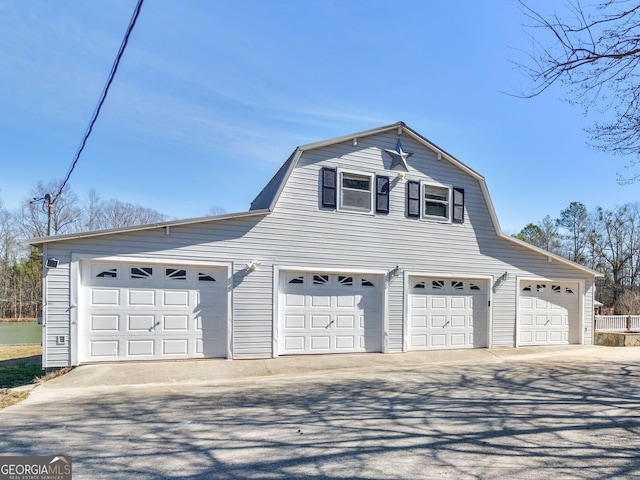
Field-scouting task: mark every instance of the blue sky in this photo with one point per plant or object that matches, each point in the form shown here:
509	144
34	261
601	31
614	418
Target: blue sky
212	97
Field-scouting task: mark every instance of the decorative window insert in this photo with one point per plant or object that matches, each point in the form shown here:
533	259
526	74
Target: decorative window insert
344	280
141	272
541	287
457	285
176	274
420	285
437	284
321	279
204	277
355	192
108	273
299	280
556	289
473	286
367	283
436	201
569	291
526	288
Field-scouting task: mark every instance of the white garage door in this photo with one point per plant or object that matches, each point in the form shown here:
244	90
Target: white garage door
549	313
137	311
330	313
447	313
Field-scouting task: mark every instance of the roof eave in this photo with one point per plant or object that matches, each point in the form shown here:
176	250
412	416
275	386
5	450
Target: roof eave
552	256
149	226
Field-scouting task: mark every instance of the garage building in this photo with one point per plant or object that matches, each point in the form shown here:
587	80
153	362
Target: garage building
377	241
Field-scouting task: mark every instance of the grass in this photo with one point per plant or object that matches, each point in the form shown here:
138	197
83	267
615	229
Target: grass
19	365
9	397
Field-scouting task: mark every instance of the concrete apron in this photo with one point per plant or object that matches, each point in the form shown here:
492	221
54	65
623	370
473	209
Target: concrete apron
217	371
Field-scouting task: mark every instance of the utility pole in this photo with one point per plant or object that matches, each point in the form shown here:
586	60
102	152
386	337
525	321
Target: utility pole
49	199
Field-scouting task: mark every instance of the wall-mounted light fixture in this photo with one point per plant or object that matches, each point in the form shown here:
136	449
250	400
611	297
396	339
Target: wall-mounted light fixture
395	272
499	281
251	266
402	175
52	262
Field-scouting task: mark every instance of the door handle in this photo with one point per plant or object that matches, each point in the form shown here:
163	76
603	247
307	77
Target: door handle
329	324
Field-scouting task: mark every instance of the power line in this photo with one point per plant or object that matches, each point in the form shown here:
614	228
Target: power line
96	112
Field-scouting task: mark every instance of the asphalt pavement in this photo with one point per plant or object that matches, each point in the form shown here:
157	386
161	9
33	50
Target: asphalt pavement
549	412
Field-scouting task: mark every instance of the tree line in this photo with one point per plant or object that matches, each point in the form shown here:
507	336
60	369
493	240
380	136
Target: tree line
21	265
605	240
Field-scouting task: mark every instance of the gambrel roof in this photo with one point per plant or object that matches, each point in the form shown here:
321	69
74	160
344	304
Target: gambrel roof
266	200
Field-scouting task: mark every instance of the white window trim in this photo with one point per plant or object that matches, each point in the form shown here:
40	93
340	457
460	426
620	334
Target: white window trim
371	177
423	207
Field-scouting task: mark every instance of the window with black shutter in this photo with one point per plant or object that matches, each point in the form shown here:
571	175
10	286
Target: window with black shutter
329	176
382	194
413	199
458	205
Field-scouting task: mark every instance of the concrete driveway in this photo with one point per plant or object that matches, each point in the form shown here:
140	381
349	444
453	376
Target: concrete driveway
570	412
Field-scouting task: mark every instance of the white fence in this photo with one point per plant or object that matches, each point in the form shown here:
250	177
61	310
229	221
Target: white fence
619	323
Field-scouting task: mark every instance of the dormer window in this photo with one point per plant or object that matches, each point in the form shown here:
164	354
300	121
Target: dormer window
356	192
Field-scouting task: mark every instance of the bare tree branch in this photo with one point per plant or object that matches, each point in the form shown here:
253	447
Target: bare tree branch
594	53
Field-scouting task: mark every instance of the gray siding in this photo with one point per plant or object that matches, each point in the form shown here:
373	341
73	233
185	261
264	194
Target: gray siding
57	312
299	233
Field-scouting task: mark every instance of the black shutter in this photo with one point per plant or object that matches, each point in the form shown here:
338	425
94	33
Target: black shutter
329	176
413	199
458	205
382	194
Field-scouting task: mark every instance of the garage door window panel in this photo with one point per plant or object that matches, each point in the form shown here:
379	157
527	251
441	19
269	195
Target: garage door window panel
176	274
141	272
109	273
345	281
